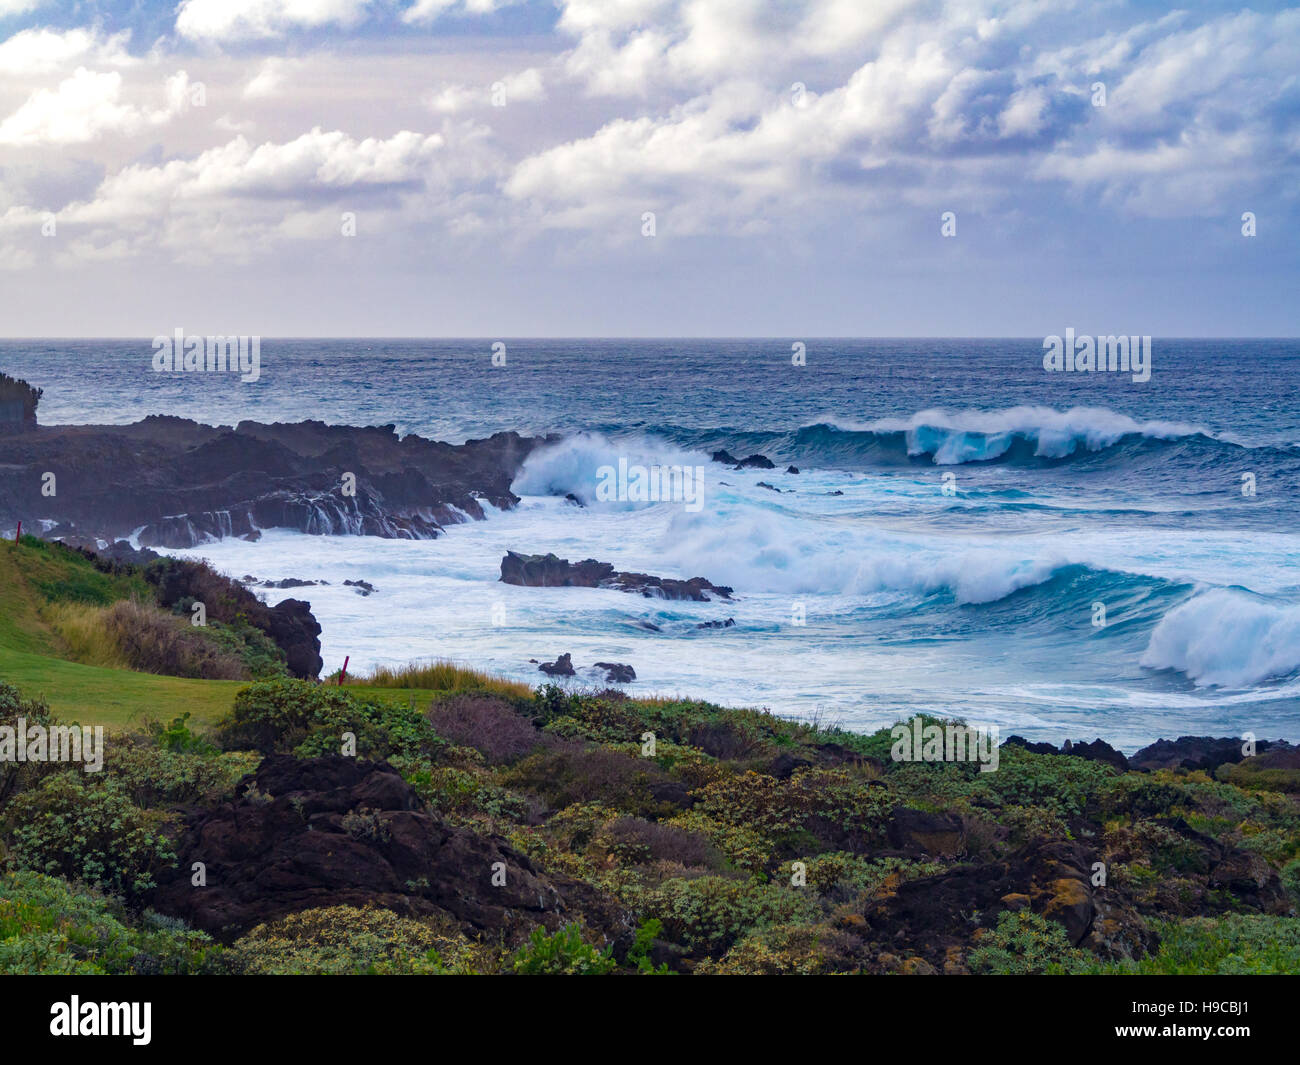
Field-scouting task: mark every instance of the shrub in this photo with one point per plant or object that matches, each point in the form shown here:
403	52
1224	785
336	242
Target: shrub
154	776
48	926
347	940
573	773
88	831
284	716
710	913
486	723
1234	944
16	776
563	953
1023	943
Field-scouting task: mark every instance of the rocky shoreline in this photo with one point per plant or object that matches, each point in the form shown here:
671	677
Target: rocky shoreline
176	483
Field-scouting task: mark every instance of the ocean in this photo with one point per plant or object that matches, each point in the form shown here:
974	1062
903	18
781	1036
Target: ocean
1062	555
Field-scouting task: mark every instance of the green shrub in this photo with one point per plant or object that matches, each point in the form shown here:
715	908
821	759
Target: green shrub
562	953
1024	943
1235	944
708	914
48	927
86	831
16	776
347	940
299	717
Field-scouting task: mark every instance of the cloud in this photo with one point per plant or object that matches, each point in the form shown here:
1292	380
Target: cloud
427	11
242	20
236	200
524	87
83	108
18	7
270	78
41	51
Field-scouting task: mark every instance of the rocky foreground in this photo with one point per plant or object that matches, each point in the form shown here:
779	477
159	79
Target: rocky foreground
181	483
319	830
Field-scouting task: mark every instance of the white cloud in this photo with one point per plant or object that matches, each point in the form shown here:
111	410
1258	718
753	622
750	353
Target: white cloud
270	78
239	20
426	11
41	51
18	7
83	108
524	87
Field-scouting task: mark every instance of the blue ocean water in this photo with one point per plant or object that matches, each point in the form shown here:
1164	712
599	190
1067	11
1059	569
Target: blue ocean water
1058	554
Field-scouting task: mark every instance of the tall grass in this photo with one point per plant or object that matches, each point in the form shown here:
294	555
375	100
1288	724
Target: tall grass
141	637
439	675
85	636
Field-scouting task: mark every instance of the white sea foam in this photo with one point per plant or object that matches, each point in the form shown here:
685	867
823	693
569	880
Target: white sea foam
974	435
1226	638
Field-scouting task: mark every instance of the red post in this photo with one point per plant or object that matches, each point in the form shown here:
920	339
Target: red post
19	534
344	671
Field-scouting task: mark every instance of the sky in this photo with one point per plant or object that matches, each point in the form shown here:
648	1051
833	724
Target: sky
649	168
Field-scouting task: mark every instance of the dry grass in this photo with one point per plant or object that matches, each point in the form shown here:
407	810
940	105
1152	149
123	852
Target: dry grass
138	636
85	636
440	675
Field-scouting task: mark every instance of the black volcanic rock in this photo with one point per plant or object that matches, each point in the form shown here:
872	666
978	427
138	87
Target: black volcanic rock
1096	751
337	831
551	571
1193	752
756	462
182	483
617	672
561	667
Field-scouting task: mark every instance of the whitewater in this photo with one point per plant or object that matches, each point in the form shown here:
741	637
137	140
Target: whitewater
965	535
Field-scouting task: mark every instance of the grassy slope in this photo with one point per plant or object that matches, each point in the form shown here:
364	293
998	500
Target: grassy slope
30	654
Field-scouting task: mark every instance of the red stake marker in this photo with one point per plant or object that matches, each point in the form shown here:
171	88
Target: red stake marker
344	671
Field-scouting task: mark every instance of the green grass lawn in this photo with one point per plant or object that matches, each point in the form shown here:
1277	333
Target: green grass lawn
30	653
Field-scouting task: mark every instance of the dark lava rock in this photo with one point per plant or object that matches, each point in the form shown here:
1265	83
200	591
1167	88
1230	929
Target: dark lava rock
360	587
291	582
724	456
931	916
295	629
792	469
1192	752
183	483
771	487
837	492
933	834
617	672
550	571
561	667
755	462
1096	751
729	623
336	831
122	551
569	497
785	765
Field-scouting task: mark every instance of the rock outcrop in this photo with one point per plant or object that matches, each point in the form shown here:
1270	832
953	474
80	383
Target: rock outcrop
335	831
550	571
181	483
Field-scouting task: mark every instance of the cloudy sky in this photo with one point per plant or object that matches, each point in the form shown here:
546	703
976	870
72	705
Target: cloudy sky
201	164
